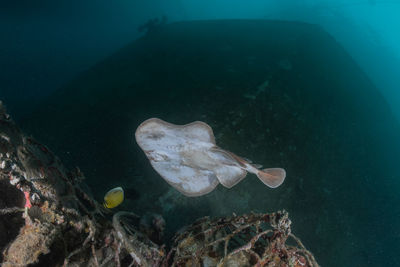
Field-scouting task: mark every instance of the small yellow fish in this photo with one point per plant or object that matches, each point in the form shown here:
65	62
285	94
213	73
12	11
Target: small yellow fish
113	198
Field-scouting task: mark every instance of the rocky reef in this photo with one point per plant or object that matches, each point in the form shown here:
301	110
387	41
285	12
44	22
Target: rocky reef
48	217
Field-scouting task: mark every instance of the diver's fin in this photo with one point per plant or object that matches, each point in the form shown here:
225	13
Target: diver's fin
272	177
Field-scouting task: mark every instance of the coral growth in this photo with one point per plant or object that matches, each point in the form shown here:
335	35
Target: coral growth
33	240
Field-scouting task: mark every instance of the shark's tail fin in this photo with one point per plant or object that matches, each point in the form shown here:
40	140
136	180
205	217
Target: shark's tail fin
272	177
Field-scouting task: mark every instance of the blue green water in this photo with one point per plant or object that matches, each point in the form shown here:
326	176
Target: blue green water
320	100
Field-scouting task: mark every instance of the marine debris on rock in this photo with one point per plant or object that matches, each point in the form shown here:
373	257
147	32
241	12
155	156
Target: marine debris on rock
55	220
52	220
247	240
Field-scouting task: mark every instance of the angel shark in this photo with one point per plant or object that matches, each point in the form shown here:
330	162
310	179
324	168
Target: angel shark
187	157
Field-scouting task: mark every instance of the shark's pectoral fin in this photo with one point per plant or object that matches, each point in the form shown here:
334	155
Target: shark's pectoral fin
229	176
272	177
